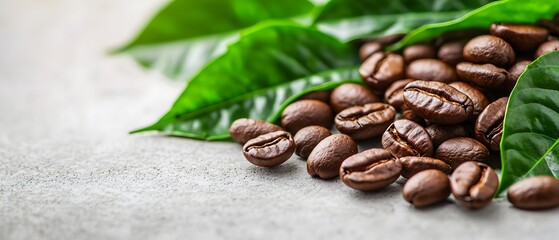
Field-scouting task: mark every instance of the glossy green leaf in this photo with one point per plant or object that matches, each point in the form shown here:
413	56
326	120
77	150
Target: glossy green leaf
513	11
350	19
254	77
187	34
530	144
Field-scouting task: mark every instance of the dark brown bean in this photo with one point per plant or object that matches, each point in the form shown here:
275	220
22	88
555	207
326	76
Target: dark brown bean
440	133
489	49
270	149
363	122
370	170
412	165
323	96
406	138
522	37
535	193
351	94
307	138
327	157
410	115
460	150
473	184
426	188
382	69
484	75
514	73
368	49
418	51
305	113
394	95
431	70
244	129
489	124
452	52
549	46
477	97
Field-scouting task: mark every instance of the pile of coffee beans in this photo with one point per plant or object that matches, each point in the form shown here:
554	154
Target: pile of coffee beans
437	108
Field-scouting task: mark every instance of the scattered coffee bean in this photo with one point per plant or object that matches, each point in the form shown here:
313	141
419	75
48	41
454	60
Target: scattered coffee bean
440	133
351	94
522	37
363	122
473	184
535	193
368	49
517	69
406	138
305	113
452	52
460	150
370	170
484	75
431	70
477	97
244	129
323	96
489	49
327	157
427	188
418	51
270	149
307	138
412	165
394	94
489	124
382	69
549	46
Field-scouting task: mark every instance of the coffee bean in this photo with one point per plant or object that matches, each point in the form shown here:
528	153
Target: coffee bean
489	124
484	75
394	95
431	70
351	94
438	102
270	149
477	97
410	115
368	49
418	51
489	49
305	113
440	133
323	96
244	129
473	184
549	46
307	138
426	188
406	138
382	69
363	122
370	170
327	157
412	165
452	52
535	193
522	37
461	149
516	70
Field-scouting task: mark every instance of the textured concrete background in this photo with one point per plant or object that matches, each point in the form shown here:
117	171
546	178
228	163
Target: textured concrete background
68	170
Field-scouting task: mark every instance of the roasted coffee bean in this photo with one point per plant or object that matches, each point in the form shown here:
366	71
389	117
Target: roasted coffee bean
431	70
363	122
270	149
461	149
368	49
522	37
351	94
427	188
489	49
549	46
305	113
438	102
382	69
440	133
323	96
473	184
412	165
514	73
477	97
370	170
244	129
489	124
535	193
452	52
406	138
307	138
483	75
327	157
394	95
418	51
410	115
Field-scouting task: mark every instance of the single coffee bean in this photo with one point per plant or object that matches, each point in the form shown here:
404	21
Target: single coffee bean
549	46
363	122
327	157
305	113
489	124
370	170
351	94
368	49
427	188
431	70
307	138
394	95
323	96
440	133
418	51
382	69
514	73
438	102
460	150
410	115
483	75
489	49
477	97
533	193
244	129
452	52
412	165
473	184
406	138
522	37
270	149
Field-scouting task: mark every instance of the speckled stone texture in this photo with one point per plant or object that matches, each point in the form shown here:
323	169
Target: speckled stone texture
68	169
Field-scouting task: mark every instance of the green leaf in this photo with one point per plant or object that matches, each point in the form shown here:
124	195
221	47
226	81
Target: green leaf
254	77
512	11
350	19
530	144
187	34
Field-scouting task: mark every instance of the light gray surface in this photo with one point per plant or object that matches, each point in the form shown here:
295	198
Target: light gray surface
68	170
